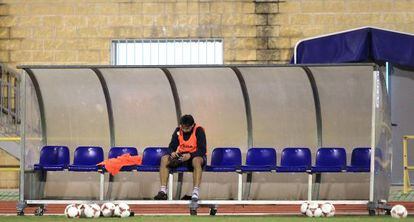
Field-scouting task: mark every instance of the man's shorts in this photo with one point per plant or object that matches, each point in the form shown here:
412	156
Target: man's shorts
189	163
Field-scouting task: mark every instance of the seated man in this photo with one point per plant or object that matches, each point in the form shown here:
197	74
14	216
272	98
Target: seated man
187	148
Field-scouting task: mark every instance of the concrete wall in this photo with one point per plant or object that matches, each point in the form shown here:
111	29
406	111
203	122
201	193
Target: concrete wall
80	31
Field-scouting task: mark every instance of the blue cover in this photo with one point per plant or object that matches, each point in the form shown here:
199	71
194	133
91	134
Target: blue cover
151	159
53	158
260	160
361	45
295	159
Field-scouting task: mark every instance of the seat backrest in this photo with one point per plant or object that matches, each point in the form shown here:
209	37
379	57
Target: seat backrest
296	156
88	155
226	156
361	156
261	157
114	152
152	155
53	155
331	157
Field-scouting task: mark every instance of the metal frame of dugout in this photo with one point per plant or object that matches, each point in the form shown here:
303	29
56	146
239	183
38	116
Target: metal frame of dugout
346	105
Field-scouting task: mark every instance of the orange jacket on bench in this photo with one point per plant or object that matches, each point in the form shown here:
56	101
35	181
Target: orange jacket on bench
114	165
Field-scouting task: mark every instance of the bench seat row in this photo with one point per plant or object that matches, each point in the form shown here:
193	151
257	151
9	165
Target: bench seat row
223	159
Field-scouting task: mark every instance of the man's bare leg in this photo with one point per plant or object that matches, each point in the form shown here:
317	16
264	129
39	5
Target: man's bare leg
197	172
164	173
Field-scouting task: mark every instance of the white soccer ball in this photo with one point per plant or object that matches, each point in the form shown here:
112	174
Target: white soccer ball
93	211
81	209
107	209
313	210
304	207
318	212
328	210
71	211
122	210
96	209
89	213
399	211
67	207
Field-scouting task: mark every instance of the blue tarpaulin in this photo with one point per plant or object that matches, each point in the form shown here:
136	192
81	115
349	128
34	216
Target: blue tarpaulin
360	45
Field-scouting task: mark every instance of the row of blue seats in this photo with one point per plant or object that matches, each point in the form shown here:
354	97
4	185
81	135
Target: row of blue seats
223	159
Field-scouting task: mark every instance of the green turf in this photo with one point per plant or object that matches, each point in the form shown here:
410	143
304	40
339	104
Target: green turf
208	218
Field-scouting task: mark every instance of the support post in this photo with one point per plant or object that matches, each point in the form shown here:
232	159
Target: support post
101	185
170	186
375	79
22	203
240	186
309	187
246	190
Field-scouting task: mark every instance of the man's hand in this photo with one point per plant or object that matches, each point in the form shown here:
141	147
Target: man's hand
174	155
186	156
175	160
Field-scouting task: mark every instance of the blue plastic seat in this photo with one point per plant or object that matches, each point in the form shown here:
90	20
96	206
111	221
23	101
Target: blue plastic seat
295	159
53	158
260	160
114	152
360	160
330	159
225	159
151	159
86	158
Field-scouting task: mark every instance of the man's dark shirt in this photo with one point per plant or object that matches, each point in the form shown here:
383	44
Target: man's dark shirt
201	141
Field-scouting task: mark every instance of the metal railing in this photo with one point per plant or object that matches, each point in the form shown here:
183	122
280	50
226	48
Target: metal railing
407	168
9	101
8	167
167	51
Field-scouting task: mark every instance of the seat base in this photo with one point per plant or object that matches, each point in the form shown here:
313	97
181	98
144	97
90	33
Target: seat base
83	168
258	168
327	169
357	169
220	169
292	169
58	167
143	168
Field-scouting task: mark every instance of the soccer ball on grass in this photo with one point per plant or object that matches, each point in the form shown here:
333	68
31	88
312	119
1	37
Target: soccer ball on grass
399	211
71	211
122	210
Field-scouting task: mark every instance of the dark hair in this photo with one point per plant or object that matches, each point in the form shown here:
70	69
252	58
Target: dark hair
187	120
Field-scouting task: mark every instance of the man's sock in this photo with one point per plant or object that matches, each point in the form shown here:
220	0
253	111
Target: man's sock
163	189
195	192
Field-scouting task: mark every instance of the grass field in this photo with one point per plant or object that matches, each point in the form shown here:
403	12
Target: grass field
208	218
